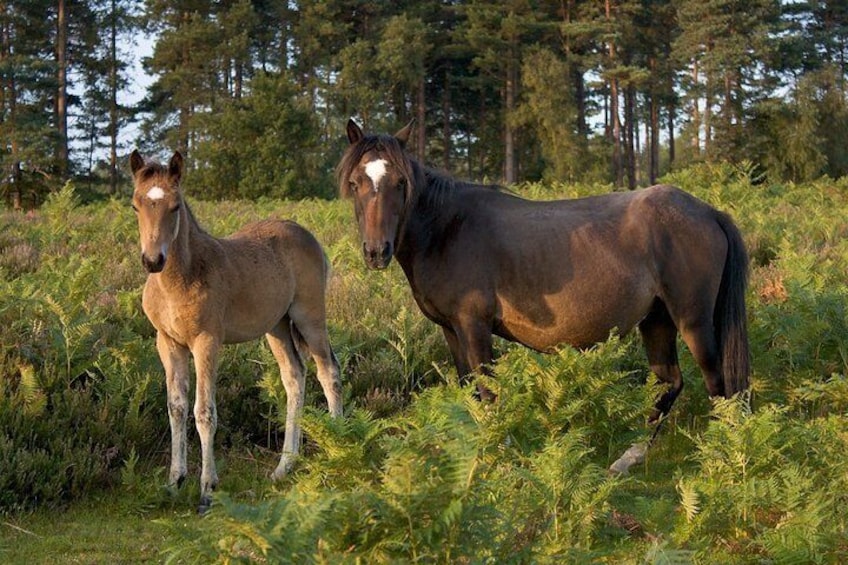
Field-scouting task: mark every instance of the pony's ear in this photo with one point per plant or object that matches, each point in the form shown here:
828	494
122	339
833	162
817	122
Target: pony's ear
403	135
175	167
136	161
354	132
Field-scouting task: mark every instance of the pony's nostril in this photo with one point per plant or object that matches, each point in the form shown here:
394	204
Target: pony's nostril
387	250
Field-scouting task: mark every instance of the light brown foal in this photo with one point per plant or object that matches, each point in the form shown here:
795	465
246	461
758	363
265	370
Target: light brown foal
201	292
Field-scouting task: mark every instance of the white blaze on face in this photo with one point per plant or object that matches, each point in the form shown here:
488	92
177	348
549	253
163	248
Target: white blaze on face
376	170
156	193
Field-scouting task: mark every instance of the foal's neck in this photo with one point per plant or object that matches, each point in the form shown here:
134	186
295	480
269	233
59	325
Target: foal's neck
181	265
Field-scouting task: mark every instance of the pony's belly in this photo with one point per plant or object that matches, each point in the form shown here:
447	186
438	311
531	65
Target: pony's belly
580	324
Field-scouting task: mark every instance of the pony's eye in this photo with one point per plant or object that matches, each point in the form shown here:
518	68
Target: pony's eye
134	208
175	208
352	186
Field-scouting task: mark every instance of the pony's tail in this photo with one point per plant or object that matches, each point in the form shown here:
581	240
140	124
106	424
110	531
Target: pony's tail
731	325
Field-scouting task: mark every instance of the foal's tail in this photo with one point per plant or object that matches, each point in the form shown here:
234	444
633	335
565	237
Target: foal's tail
730	320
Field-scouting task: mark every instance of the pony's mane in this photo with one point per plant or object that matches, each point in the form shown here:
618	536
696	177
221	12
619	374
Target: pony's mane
422	181
386	144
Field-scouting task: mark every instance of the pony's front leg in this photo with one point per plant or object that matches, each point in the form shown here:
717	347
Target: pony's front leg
175	361
205	352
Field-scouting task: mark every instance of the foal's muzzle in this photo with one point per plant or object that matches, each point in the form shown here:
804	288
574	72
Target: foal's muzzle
377	256
154	265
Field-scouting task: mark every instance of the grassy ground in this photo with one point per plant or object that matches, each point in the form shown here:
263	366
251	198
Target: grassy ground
130	522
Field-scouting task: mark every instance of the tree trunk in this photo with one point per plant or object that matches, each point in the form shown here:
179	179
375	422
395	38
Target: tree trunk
696	117
708	117
113	100
629	132
671	119
615	120
61	103
654	141
446	130
421	118
509	133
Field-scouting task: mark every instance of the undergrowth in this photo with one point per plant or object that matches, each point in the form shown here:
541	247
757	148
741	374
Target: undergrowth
417	470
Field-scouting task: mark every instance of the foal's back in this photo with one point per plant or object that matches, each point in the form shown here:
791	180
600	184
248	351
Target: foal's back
265	268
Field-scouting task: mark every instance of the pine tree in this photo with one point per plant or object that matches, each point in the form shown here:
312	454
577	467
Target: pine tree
28	89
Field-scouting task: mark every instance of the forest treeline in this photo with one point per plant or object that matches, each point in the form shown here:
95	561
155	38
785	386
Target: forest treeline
257	92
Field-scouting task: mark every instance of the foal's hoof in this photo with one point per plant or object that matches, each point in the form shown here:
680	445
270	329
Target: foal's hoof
205	505
284	468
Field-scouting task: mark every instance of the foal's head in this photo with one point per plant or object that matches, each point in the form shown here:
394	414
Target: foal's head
376	174
156	201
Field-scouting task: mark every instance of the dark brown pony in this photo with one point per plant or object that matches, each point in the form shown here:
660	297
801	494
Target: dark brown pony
481	261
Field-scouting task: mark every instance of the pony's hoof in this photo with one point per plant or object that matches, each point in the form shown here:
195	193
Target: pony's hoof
634	455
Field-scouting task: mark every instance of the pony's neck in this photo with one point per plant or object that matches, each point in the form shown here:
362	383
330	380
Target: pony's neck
435	204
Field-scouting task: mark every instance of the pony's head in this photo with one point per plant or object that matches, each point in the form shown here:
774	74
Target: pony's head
156	201
375	173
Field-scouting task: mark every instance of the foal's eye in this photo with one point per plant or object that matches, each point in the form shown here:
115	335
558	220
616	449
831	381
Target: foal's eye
134	208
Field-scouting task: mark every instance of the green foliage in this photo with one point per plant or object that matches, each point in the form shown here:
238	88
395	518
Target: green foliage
264	144
448	479
417	469
767	484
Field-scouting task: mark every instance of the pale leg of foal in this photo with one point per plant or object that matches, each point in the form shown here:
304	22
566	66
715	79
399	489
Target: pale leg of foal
329	374
310	318
175	359
205	353
291	373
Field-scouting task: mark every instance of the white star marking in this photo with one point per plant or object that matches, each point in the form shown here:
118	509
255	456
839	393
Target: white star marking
376	170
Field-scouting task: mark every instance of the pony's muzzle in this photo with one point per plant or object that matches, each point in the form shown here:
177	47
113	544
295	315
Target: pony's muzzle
377	256
154	265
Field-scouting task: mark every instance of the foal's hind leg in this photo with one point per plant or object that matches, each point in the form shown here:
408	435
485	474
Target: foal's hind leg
291	372
205	351
312	326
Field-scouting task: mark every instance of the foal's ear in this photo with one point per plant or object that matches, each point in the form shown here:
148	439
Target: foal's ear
354	132
136	161
403	135
175	166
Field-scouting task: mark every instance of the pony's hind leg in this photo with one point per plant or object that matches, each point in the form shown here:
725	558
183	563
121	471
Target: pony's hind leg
175	359
701	340
659	334
291	372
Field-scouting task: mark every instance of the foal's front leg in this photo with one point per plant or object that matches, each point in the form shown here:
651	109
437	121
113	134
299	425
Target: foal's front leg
205	351
175	361
291	371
